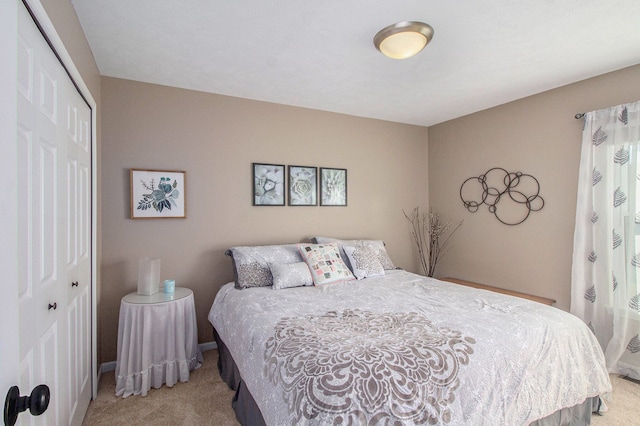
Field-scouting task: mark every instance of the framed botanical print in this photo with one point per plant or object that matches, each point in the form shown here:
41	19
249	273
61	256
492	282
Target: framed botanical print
158	194
303	186
333	187
268	184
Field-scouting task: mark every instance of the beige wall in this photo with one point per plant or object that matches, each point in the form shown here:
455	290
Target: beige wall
537	135
215	139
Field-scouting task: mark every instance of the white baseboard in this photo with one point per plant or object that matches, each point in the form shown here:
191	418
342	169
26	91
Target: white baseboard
208	346
105	367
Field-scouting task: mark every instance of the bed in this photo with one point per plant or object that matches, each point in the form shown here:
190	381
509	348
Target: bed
393	347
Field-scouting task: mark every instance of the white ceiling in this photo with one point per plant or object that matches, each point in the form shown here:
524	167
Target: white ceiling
320	54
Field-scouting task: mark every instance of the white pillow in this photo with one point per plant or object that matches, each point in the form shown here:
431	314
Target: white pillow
287	275
364	261
377	245
325	263
251	263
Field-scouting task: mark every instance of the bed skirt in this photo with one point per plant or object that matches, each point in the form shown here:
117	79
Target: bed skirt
248	413
243	404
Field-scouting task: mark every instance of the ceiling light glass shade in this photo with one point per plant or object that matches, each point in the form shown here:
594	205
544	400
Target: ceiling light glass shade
404	39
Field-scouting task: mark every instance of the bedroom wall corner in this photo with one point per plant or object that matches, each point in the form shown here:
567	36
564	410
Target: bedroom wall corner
537	135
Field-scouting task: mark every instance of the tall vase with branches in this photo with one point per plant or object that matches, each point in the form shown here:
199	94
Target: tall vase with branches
432	236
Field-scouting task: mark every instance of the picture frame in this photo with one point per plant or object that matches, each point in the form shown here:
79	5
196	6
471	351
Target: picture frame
303	186
333	187
268	184
158	194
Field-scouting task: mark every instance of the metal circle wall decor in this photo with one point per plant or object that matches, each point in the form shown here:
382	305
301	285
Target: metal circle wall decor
519	192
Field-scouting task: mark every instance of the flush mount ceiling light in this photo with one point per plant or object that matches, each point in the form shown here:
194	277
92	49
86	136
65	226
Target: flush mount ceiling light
404	39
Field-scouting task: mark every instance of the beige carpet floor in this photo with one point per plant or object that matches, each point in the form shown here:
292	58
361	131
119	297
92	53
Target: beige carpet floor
206	400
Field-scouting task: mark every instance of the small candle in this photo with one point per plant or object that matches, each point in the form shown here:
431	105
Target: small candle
169	286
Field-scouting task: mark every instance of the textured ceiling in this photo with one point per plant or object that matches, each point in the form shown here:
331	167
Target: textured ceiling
320	54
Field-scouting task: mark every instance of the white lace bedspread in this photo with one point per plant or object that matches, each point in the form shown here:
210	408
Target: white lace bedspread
405	348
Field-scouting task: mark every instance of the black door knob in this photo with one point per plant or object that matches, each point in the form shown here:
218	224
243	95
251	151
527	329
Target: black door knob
14	404
74	284
54	306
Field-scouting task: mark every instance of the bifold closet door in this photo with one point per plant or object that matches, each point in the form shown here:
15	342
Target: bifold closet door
54	211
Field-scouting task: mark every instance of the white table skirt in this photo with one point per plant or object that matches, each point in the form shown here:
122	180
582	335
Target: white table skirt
157	342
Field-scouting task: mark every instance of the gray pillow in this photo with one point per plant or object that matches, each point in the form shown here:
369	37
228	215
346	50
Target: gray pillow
251	263
287	275
377	245
364	260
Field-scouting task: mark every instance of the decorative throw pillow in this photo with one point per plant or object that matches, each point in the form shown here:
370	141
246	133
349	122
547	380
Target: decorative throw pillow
325	263
287	275
364	261
251	263
378	245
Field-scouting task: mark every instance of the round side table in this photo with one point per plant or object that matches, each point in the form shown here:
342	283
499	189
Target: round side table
157	341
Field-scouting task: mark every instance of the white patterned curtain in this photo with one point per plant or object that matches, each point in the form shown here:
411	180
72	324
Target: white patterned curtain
606	259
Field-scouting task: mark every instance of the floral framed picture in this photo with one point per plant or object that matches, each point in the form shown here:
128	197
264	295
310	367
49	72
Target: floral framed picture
303	186
158	194
268	184
333	187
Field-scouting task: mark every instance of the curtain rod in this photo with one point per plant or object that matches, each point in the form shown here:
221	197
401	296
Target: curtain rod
580	115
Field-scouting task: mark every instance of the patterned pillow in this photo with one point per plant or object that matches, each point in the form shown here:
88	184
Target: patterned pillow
287	275
364	261
251	263
325	263
378	245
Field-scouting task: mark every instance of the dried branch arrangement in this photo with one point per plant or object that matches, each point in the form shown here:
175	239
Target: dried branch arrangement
431	236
